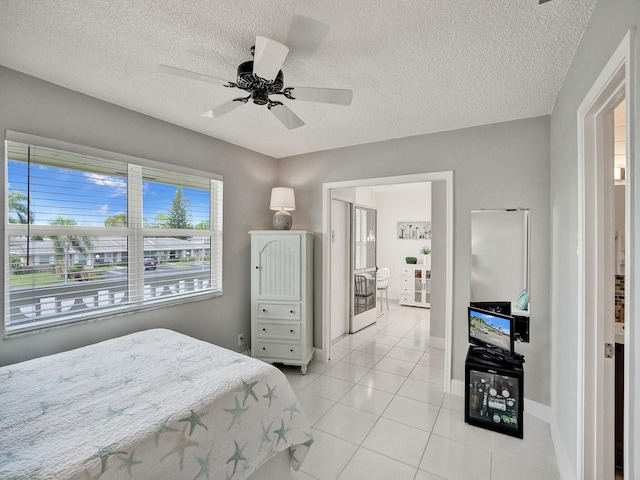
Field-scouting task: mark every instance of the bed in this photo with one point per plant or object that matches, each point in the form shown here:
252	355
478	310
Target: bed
151	405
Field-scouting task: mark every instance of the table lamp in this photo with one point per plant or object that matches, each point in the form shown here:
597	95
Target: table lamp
283	201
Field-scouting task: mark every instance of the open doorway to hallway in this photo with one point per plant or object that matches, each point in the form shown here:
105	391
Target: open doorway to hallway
445	183
403	229
620	188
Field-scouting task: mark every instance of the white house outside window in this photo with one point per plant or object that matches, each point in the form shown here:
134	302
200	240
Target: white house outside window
94	234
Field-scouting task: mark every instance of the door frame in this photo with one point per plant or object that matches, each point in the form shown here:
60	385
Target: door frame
447	177
347	205
595	415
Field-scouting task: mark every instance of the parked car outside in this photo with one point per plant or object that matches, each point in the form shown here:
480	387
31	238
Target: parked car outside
150	263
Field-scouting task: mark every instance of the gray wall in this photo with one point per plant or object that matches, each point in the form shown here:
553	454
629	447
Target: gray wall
32	106
495	166
609	23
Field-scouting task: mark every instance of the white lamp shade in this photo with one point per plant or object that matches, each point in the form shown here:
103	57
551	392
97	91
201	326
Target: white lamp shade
283	198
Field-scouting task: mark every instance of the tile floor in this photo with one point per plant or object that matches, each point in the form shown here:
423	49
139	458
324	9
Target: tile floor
378	411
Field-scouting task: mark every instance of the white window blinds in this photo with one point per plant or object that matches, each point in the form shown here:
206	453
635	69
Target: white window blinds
89	235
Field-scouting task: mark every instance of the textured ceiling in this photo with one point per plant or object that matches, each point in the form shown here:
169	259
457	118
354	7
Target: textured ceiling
415	66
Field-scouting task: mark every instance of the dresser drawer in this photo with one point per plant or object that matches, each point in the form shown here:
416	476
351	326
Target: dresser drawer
407	271
278	350
282	311
279	330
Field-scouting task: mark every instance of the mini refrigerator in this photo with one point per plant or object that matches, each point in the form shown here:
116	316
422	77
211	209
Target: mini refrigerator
494	392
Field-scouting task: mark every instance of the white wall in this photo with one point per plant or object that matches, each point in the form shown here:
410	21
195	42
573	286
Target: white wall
397	205
32	106
609	23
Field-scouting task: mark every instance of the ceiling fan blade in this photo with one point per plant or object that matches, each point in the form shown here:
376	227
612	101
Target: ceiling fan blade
306	34
268	57
336	96
222	109
286	116
178	72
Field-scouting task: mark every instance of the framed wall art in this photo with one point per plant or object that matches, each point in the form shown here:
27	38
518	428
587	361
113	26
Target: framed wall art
414	230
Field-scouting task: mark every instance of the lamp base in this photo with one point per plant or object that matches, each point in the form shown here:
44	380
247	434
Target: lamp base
282	220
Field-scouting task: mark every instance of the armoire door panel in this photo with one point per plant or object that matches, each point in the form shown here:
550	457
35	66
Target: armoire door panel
279	268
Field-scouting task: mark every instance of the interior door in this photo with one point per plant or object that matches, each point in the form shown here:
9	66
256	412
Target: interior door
363	235
340	267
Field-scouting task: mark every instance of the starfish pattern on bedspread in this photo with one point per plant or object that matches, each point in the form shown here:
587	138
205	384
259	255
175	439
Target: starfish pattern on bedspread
182	443
235	412
205	465
129	462
270	393
103	454
237	456
163	428
45	405
265	434
115	413
281	432
194	420
248	390
292	409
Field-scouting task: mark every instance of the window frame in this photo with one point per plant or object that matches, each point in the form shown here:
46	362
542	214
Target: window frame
135	234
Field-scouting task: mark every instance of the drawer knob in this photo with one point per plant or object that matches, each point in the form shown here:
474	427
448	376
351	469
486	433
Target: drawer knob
264	348
292	350
290	311
257	267
292	330
264	309
264	329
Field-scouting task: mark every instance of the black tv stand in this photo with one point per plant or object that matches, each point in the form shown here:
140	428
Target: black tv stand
495	355
494	392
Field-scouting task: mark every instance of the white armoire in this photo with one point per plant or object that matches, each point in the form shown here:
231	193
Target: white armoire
282	296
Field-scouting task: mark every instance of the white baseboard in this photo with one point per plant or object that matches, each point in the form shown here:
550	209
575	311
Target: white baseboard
457	387
538	410
437	342
318	355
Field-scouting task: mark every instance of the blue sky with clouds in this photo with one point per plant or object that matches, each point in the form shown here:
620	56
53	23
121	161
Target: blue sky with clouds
90	198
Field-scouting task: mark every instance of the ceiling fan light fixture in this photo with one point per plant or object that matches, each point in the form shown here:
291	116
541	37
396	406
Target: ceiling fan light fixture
260	96
262	77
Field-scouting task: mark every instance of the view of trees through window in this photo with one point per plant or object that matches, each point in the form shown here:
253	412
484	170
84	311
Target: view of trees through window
70	229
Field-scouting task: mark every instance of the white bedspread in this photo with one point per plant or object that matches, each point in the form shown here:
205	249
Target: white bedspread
150	405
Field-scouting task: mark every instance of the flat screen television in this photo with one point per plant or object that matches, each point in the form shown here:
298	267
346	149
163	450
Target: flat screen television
491	330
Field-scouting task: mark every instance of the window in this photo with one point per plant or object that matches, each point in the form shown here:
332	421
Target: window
91	233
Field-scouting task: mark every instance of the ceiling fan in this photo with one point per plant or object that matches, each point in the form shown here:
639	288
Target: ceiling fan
262	77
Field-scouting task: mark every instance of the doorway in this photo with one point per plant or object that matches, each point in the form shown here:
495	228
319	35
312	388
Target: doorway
326	326
597	270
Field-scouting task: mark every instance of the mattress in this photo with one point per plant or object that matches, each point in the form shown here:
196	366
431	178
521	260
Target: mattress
151	405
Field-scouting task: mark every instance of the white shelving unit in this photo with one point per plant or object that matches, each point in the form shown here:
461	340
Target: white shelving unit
282	296
415	285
